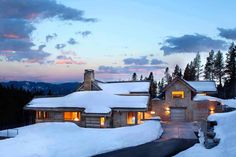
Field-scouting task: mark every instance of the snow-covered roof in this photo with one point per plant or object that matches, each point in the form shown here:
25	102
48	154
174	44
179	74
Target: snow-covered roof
203	86
91	101
124	87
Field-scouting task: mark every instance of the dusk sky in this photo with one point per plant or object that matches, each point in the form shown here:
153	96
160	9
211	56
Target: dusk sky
54	41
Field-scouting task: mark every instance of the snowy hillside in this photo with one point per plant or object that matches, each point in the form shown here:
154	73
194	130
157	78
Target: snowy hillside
225	130
69	140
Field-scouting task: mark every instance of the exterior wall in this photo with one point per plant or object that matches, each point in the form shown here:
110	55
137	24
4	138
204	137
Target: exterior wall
119	119
94	122
194	110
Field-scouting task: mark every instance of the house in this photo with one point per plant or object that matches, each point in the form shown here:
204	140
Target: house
96	104
180	101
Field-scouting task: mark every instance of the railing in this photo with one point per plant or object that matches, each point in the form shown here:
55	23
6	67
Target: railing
9	133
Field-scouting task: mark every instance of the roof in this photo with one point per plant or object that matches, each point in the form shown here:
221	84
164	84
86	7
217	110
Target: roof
125	87
203	86
91	101
180	80
196	86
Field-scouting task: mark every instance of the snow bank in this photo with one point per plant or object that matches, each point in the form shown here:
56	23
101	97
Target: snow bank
225	130
228	102
69	140
89	100
125	87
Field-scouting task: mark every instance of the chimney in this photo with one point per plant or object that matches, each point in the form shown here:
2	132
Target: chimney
88	79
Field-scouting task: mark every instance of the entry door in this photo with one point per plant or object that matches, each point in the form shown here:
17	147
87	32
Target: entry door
177	114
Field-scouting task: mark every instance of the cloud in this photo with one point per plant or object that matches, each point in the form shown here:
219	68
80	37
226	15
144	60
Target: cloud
40	48
72	41
60	46
191	44
30	10
136	61
17	20
62	59
127	69
50	37
157	62
84	33
227	33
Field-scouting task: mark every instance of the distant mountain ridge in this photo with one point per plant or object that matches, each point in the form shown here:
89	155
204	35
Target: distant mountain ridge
44	87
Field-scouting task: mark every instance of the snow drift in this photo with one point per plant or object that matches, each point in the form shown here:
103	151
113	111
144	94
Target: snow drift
69	140
225	130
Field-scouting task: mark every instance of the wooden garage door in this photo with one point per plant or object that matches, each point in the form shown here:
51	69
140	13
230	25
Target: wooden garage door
177	114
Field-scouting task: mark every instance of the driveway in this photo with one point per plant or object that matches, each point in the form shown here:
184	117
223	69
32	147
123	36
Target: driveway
177	136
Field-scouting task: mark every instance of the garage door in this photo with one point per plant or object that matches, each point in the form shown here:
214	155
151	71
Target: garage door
177	114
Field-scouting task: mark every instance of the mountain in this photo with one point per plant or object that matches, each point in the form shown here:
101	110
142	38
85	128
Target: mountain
45	88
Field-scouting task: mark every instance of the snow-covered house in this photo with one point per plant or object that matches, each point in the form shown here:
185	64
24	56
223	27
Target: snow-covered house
180	103
96	104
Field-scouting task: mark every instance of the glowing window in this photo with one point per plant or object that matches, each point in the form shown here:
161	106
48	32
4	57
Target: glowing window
102	121
74	116
131	118
140	117
42	115
178	94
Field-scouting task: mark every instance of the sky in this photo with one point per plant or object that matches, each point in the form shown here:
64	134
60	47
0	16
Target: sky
55	41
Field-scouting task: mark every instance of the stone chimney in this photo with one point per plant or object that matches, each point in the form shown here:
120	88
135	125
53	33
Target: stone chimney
88	79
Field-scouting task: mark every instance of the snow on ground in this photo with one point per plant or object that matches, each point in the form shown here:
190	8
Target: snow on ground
68	140
225	130
228	102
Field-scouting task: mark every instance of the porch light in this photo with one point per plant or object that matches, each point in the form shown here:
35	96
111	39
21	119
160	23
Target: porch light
152	112
167	109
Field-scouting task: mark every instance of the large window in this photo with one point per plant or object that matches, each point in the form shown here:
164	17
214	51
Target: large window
42	114
178	94
140	117
131	118
72	116
102	121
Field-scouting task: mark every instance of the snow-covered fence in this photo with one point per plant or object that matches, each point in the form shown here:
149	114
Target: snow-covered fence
9	133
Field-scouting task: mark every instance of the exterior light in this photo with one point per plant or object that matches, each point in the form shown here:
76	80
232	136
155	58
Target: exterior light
167	109
152	112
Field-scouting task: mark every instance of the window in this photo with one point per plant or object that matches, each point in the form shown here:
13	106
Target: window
42	115
102	121
140	117
73	116
131	118
178	94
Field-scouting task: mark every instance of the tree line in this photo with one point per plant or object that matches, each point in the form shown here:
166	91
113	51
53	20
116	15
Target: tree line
216	68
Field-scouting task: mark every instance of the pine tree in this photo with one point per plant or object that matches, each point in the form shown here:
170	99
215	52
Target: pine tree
160	85
151	77
177	72
168	77
198	66
187	73
209	67
230	70
219	67
134	77
141	77
192	71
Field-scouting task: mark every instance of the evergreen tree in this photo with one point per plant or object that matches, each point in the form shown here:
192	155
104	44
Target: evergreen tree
198	66
168	77
230	71
187	75
151	77
134	77
177	72
209	67
192	71
219	67
160	85
141	77
153	89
